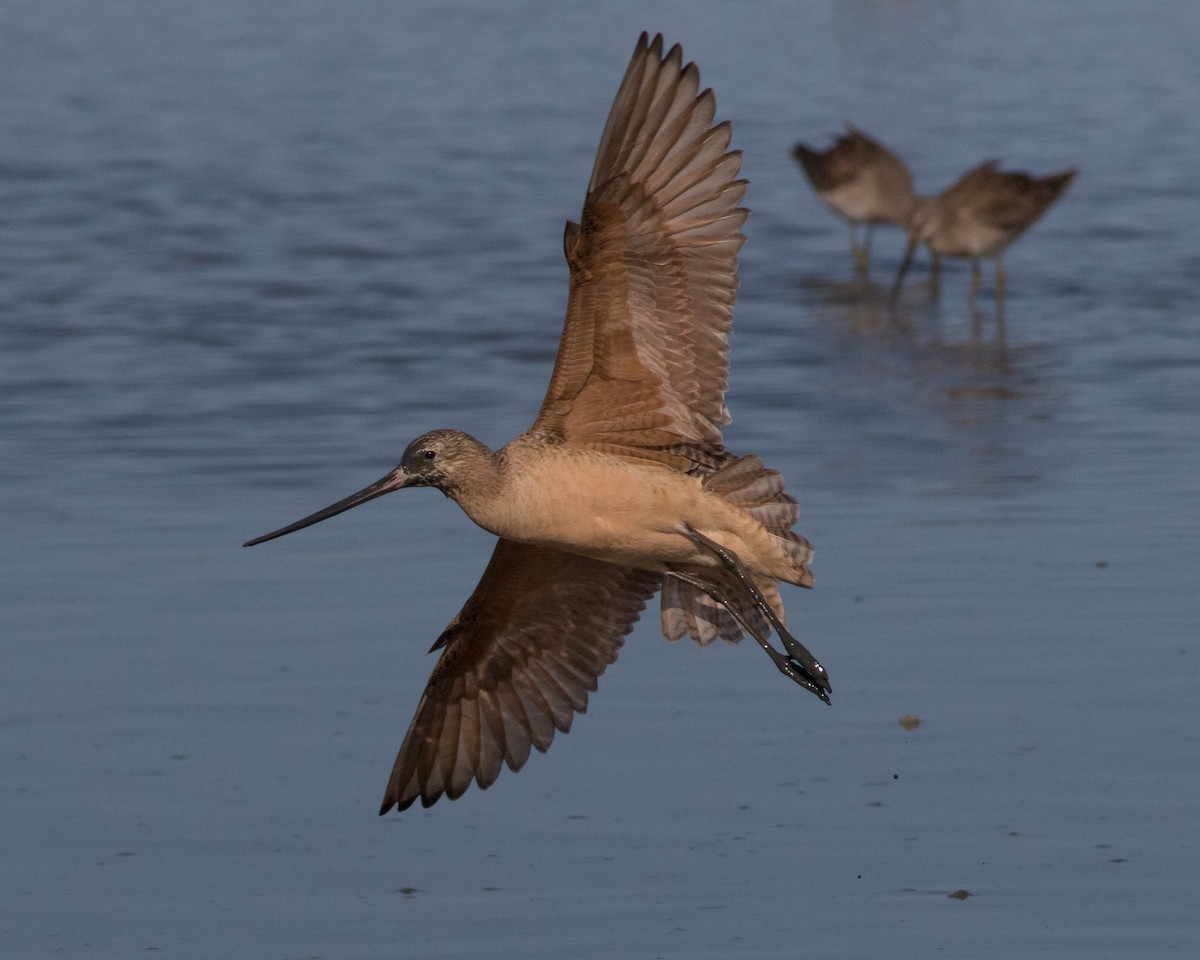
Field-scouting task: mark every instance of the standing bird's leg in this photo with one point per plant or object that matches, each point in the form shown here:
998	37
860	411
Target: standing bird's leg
904	265
1000	275
860	253
973	293
799	664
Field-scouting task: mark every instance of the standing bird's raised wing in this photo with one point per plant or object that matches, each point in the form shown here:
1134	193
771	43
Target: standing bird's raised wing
1014	200
518	663
643	363
987	208
886	187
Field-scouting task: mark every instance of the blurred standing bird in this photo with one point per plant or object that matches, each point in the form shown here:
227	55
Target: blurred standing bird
979	216
861	181
622	485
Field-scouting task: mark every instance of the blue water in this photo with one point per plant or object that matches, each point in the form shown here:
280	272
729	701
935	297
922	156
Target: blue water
247	251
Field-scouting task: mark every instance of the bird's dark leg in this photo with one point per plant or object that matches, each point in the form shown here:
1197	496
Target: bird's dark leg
786	665
798	664
904	265
714	591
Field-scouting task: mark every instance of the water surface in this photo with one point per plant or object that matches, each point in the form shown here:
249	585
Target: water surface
248	251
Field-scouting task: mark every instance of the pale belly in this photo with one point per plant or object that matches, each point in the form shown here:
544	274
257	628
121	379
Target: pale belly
612	511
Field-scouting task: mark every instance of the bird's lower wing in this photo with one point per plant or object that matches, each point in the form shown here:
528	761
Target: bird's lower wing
517	664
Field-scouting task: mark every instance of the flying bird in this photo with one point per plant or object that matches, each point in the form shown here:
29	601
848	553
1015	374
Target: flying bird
861	181
622	486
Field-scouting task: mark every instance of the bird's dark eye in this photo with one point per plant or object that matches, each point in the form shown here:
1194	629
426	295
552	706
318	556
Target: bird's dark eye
429	454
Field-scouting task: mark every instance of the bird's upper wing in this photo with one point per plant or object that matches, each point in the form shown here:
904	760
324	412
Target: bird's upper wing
1006	200
643	363
1019	199
853	155
974	187
518	663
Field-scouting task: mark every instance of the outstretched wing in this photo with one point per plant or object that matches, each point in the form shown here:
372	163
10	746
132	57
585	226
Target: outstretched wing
518	663
643	363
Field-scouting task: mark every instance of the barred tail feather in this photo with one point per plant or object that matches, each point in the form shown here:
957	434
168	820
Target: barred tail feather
688	611
757	489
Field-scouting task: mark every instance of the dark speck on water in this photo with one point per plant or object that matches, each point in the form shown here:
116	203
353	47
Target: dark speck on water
248	251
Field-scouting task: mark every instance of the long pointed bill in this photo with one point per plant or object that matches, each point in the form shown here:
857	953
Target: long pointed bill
393	481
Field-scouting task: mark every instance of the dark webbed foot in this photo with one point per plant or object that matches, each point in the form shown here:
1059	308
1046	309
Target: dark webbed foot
815	680
797	663
813	676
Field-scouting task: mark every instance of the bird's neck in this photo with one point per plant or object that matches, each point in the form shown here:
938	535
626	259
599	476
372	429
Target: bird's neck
479	495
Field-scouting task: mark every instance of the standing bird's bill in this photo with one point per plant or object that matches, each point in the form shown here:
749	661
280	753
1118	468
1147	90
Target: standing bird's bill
634	410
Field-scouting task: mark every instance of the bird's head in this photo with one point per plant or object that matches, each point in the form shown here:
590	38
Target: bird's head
445	459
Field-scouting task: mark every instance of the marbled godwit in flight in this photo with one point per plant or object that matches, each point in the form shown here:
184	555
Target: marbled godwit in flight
979	216
861	181
622	485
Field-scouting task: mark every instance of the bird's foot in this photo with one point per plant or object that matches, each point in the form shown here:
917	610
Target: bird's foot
793	669
801	665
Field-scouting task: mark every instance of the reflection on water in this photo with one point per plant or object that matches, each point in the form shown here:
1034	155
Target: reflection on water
247	251
937	370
